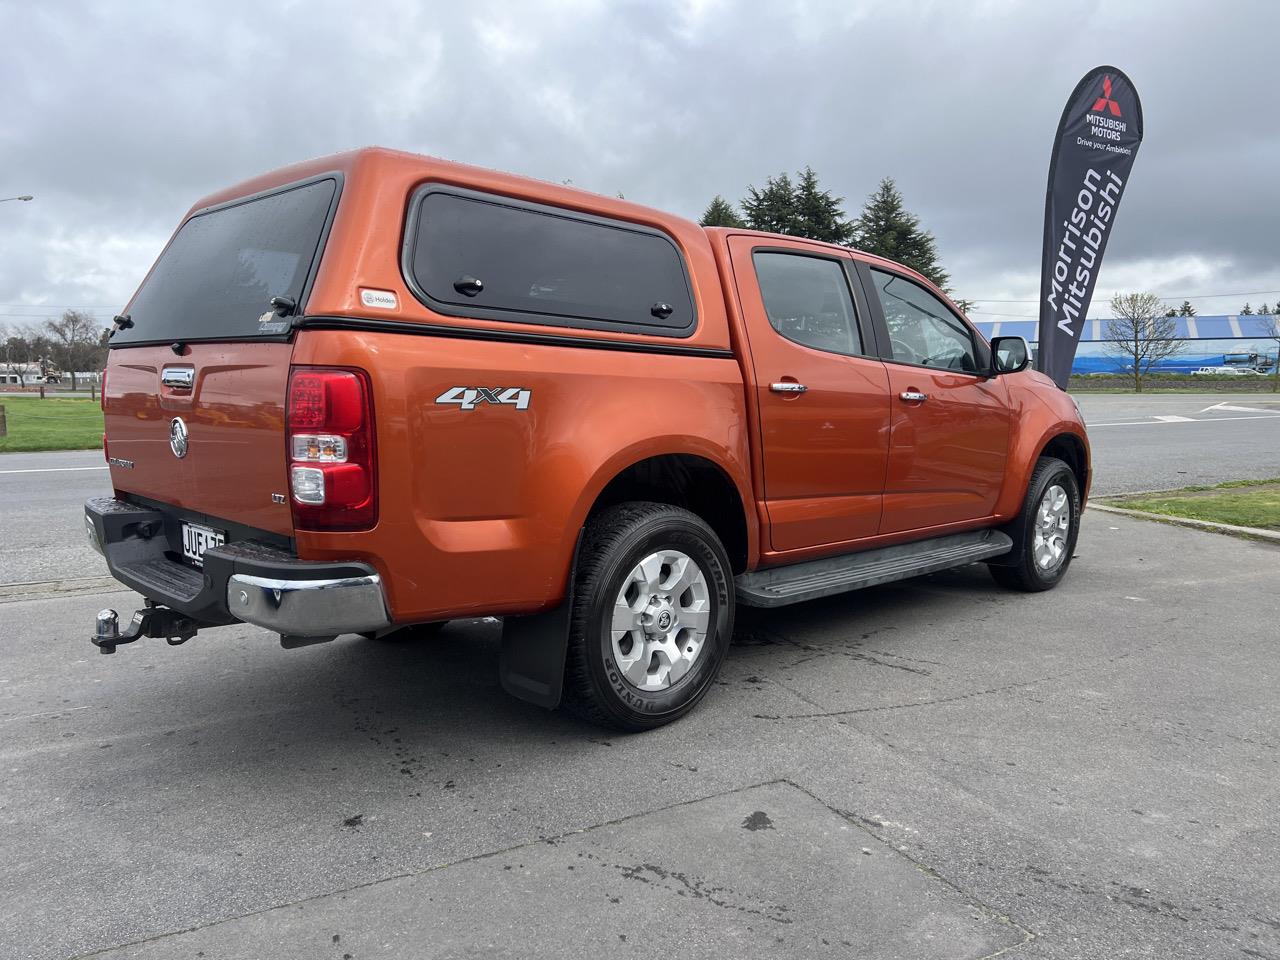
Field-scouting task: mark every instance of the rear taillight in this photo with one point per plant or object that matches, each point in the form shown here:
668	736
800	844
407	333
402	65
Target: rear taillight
330	447
102	402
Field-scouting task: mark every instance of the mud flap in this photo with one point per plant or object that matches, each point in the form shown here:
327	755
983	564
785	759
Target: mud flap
531	664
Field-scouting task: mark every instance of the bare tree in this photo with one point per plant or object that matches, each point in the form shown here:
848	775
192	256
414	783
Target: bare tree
1271	330
21	349
76	338
1141	336
17	354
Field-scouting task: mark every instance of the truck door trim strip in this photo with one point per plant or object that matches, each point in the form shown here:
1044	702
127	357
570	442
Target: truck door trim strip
506	336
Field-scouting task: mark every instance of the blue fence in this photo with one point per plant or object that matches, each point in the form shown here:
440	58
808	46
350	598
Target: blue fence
1206	342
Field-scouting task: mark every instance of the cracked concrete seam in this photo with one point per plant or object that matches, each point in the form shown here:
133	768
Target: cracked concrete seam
436	868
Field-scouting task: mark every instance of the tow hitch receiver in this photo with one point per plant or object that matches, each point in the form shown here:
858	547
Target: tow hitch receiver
152	620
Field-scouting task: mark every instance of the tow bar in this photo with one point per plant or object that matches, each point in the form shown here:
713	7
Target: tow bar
152	620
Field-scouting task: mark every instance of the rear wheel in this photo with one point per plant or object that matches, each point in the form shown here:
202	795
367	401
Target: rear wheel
652	616
1044	535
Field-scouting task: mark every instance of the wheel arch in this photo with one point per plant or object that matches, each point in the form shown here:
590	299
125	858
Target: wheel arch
1062	439
692	480
1071	450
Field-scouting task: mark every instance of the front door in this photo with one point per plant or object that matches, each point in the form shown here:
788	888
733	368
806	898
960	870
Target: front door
821	393
950	420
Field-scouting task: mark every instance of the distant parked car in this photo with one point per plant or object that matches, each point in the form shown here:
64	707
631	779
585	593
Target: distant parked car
1220	371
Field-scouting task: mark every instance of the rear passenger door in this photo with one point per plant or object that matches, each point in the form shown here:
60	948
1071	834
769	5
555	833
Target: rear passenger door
821	393
950	419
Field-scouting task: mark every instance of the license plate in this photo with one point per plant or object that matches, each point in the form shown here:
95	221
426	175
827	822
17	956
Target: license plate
197	538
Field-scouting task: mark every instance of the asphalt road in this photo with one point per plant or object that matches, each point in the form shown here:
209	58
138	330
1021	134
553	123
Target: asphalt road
42	518
1161	441
931	769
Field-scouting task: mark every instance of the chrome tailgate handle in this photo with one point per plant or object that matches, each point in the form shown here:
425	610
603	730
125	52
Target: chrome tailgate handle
178	378
913	396
788	387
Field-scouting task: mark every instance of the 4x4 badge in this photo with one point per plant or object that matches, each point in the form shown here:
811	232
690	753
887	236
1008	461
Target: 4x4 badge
468	398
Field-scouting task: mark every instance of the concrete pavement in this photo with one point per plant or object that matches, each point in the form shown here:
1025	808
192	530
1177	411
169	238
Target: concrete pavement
935	768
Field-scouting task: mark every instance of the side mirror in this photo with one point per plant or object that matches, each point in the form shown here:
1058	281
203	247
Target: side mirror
1009	354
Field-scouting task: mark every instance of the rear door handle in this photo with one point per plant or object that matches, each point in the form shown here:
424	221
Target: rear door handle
788	386
913	396
177	378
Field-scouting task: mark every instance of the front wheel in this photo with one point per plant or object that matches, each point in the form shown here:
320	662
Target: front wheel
652	616
1044	535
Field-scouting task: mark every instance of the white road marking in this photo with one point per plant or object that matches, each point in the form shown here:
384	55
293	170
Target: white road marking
1174	418
1227	406
1157	422
54	469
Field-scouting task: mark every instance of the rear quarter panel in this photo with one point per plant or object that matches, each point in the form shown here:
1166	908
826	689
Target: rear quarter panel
480	509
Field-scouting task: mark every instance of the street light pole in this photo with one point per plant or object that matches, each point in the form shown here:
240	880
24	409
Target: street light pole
25	196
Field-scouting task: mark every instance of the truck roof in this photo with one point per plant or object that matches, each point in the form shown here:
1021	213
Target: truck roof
464	174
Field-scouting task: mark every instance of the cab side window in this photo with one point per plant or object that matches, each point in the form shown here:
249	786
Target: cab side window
922	329
807	300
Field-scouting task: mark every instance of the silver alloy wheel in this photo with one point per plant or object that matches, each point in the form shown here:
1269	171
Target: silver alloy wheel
660	620
1052	529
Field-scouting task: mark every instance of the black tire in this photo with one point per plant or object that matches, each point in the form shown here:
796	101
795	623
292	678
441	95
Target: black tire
1018	569
614	542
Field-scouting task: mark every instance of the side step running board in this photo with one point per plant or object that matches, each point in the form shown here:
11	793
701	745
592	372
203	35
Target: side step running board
778	586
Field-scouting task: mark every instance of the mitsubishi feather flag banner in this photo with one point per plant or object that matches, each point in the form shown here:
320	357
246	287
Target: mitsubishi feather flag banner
1098	137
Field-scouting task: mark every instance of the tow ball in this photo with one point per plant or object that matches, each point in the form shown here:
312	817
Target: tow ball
152	620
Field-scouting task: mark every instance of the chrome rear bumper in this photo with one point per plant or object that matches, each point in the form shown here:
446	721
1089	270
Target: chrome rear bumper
245	579
309	608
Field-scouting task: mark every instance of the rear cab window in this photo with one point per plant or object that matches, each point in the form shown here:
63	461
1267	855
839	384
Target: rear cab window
216	279
807	300
479	255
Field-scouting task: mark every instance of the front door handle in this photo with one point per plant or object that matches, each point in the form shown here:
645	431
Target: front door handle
788	386
913	396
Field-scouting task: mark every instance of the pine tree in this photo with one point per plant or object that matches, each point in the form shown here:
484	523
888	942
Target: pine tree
819	215
798	209
772	209
1186	310
1265	309
720	213
887	229
1246	311
1171	312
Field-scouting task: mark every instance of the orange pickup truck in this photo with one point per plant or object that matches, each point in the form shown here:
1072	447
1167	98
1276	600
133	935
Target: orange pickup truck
377	391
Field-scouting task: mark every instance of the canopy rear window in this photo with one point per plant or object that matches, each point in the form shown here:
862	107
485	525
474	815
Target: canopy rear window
216	279
479	255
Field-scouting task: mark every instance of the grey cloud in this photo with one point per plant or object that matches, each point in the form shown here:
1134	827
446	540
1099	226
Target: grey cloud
118	117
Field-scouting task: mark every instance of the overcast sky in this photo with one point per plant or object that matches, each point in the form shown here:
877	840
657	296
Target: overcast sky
118	116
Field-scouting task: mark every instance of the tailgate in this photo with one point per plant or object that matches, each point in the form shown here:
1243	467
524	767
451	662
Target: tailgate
199	367
233	467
